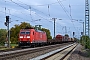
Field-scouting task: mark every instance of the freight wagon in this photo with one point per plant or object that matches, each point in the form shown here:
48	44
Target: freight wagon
65	38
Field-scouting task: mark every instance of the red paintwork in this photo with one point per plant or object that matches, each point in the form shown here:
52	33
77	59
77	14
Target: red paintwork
59	37
33	37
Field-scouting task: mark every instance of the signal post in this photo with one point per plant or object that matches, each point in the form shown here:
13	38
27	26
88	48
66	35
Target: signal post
8	35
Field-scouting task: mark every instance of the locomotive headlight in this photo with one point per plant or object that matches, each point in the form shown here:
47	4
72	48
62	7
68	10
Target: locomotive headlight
28	36
21	36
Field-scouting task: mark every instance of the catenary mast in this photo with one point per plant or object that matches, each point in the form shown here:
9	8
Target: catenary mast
87	22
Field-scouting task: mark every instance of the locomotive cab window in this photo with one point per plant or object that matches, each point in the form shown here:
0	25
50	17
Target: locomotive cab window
22	32
27	32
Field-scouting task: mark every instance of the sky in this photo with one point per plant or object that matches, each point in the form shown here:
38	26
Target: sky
69	14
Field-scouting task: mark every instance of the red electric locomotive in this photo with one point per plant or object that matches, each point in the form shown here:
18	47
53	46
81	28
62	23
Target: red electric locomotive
31	37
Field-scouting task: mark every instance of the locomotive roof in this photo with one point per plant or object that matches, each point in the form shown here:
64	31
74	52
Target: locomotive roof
34	29
39	31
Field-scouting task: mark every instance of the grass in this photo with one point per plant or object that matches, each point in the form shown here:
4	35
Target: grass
5	48
13	44
88	51
1	44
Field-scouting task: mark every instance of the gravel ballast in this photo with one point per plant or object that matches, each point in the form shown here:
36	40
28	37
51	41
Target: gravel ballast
80	54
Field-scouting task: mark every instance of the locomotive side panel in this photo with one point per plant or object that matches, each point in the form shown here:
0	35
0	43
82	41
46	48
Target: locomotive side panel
37	37
44	36
32	35
40	37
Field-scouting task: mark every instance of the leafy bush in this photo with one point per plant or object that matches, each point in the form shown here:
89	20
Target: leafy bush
85	41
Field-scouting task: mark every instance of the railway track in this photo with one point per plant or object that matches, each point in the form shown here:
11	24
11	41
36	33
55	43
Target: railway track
60	54
17	53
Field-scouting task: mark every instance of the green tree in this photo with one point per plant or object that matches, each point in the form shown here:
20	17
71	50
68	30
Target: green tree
3	35
76	39
14	32
67	35
85	41
43	29
24	25
16	29
47	32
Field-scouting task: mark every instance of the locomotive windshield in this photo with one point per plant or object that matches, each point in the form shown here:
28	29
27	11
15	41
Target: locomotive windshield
22	32
25	32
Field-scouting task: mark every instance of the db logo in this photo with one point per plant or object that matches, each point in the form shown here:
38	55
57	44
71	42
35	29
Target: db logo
25	36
